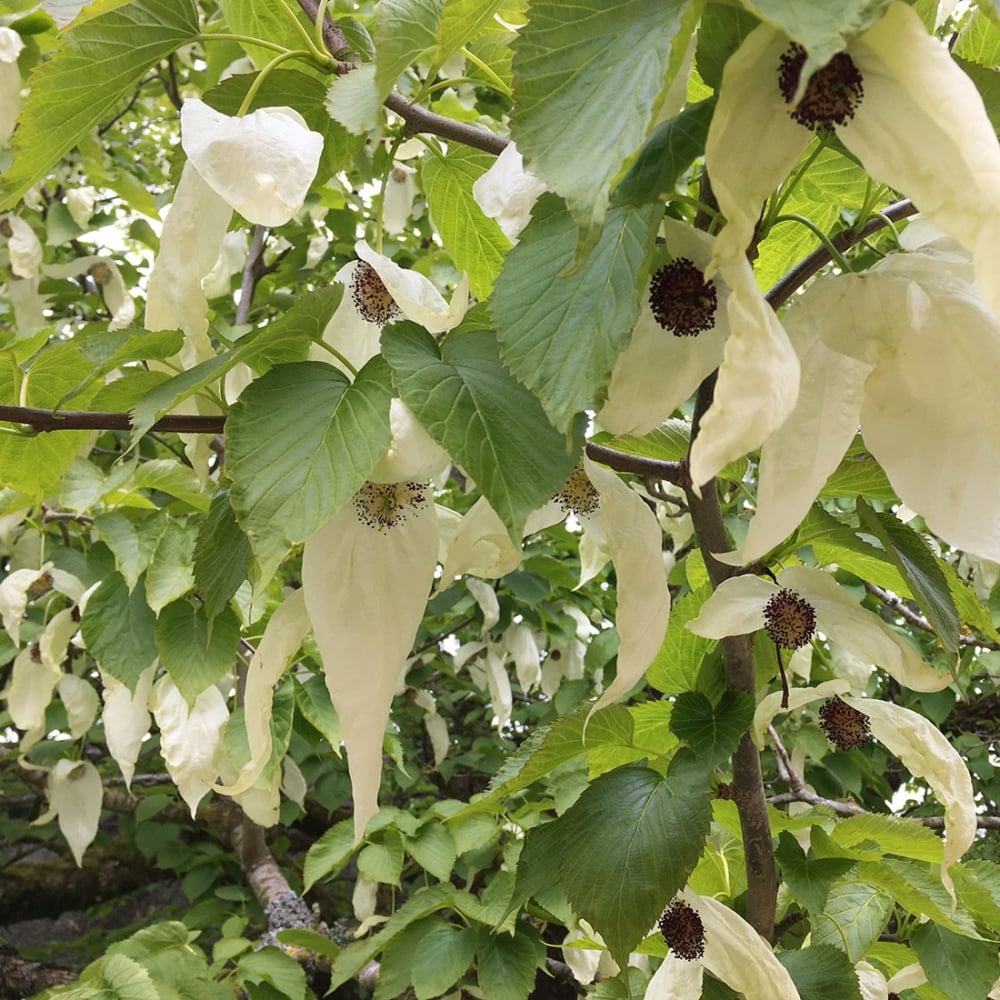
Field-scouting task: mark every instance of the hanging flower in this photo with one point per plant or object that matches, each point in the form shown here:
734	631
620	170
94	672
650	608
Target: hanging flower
695	324
377	292
617	525
397	201
703	933
23	246
104	273
874	349
507	192
897	101
805	600
874	986
75	798
261	164
366	576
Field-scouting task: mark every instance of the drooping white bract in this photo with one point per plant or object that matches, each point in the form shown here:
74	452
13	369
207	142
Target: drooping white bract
261	164
75	797
928	754
738	607
507	192
126	719
877	349
366	576
692	326
24	247
919	126
11	45
397	201
874	986
103	271
734	952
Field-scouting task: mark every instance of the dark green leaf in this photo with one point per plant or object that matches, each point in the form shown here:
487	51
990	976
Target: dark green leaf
961	968
713	732
721	32
506	965
120	629
670	149
920	569
301	441
630	842
470	405
196	650
808	878
821	972
221	555
444	955
561	333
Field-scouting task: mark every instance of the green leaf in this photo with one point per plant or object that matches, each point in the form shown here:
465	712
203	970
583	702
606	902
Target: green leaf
670	442
853	918
120	630
859	476
470	405
301	441
675	668
462	21
821	972
102	61
122	978
383	862
961	968
221	555
272	966
713	732
433	848
33	463
474	242
560	334
445	953
722	29
668	152
563	60
823	27
328	854
131	543
403	30
920	569
196	650
506	965
979	40
808	878
170	574
629	843
171	477
314	703
263	20
906	837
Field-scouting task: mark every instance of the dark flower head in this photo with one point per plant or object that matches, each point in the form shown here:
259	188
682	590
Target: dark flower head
371	296
790	620
845	727
384	506
681	299
832	94
683	931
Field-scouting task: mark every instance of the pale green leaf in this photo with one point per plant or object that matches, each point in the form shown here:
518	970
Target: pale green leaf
301	441
171	477
120	630
329	853
383	862
563	59
433	848
469	403
123	978
461	22
196	650
272	966
979	40
170	574
102	61
560	333
854	916
474	242
619	874
131	542
675	668
403	30
906	837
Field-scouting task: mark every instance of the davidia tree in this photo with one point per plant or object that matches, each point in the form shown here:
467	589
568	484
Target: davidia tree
500	498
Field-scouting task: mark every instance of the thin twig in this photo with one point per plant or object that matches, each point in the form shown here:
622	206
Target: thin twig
620	461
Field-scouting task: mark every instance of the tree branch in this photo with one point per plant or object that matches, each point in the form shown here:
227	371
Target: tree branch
86	420
620	461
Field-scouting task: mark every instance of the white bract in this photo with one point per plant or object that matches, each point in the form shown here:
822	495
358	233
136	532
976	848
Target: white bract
397	200
11	45
877	349
261	164
507	192
24	247
366	576
103	271
738	607
75	797
692	326
734	952
126	719
919	127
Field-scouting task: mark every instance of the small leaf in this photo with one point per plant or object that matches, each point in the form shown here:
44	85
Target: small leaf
196	650
808	878
120	630
921	571
328	854
712	731
221	555
506	965
821	972
675	667
434	850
